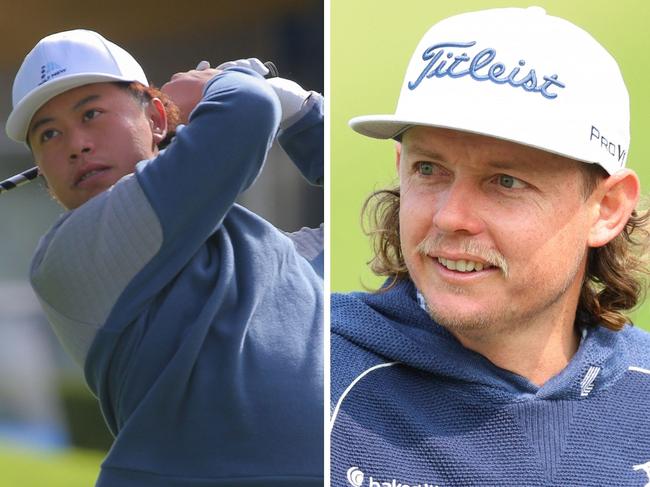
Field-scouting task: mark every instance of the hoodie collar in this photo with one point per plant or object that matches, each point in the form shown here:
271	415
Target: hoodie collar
394	324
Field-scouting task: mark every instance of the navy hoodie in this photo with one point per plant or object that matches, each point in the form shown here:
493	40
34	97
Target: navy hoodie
198	323
411	407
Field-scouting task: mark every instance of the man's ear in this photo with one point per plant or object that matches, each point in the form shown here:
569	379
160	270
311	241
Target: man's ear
157	119
398	154
616	198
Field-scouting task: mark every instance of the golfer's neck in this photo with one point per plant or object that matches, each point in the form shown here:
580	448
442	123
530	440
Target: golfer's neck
537	350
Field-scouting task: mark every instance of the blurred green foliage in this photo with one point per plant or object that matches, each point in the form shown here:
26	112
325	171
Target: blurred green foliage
76	467
22	468
86	425
371	44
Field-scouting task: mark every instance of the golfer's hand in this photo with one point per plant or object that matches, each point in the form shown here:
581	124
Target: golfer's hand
186	89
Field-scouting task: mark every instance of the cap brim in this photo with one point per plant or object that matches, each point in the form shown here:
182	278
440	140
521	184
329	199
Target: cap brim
22	114
380	126
391	126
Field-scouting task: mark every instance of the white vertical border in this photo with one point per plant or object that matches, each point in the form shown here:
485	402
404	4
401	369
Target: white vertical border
328	226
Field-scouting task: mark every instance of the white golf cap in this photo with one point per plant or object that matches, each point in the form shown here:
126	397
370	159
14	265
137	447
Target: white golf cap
63	61
518	75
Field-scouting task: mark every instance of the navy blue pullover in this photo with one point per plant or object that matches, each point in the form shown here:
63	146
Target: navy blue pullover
412	407
198	323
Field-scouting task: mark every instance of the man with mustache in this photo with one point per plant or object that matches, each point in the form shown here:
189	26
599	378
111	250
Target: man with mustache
198	323
498	352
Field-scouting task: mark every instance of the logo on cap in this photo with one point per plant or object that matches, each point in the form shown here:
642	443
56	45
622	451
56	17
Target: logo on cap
481	68
49	71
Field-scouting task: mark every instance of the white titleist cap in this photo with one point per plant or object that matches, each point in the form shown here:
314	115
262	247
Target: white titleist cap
63	61
519	75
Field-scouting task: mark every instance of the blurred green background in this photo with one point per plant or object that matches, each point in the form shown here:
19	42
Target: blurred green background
28	468
371	45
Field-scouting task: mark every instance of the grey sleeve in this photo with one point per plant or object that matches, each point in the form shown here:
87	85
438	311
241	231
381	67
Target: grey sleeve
85	262
308	241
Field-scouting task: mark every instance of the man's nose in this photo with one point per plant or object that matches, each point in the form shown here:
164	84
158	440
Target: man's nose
458	209
79	144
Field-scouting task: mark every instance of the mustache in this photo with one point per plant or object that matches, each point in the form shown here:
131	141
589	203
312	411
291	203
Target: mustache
434	245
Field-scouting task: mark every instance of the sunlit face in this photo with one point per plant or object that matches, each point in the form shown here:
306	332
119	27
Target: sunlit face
494	234
87	138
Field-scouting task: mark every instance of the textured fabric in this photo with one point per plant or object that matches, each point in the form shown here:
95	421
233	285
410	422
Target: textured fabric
208	365
309	244
293	138
412	407
126	235
308	241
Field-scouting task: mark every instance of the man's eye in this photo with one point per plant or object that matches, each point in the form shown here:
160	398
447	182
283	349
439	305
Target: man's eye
425	168
510	182
90	114
48	134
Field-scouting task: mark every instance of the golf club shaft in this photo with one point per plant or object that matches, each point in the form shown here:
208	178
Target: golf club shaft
18	180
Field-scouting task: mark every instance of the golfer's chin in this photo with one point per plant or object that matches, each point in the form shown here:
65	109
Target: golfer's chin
464	308
462	316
